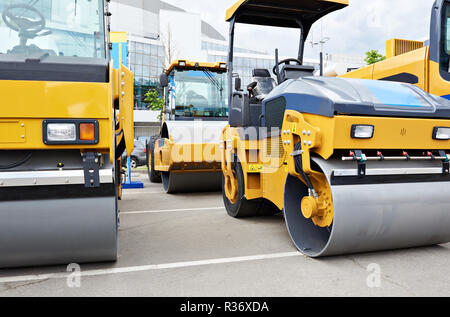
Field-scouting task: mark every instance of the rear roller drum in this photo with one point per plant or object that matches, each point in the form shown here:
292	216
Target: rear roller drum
153	175
236	204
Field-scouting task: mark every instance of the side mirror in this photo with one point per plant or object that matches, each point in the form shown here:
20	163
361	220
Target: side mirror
164	80
237	84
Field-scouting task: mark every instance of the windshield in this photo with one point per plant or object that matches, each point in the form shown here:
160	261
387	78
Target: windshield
199	93
445	46
54	27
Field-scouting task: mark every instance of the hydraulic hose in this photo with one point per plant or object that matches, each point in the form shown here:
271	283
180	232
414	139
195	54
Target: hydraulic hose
17	164
299	166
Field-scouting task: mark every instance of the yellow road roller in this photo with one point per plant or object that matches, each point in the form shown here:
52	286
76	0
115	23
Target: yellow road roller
185	156
66	118
426	66
354	165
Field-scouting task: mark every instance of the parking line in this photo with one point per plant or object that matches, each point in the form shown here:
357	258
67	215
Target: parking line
168	210
142	192
152	267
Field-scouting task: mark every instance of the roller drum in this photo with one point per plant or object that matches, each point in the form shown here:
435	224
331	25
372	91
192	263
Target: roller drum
404	211
58	231
191	182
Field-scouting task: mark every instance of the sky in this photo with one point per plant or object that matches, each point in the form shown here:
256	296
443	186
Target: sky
363	26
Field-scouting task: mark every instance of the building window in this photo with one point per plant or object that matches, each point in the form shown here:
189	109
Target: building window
146	62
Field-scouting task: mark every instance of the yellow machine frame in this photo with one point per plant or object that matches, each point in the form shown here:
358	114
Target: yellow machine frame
75	213
265	177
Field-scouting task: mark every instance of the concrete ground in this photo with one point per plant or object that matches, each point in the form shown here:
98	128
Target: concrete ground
186	245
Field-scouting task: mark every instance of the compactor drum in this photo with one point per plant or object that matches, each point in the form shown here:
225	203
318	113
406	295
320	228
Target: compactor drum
354	165
60	137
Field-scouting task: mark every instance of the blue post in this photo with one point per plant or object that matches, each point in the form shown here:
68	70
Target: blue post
130	184
128	170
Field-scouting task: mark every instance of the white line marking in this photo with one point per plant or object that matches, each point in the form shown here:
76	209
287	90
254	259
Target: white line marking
141	193
131	269
168	210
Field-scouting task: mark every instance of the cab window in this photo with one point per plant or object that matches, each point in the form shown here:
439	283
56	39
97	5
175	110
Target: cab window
445	40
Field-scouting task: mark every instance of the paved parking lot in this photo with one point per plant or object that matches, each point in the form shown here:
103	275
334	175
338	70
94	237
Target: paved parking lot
186	245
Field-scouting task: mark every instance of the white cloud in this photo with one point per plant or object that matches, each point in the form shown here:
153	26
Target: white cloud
364	25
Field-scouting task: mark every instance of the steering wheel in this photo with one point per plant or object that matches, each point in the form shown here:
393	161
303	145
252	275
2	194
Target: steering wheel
27	25
286	62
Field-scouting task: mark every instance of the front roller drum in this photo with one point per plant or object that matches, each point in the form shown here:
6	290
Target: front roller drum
188	182
58	231
368	216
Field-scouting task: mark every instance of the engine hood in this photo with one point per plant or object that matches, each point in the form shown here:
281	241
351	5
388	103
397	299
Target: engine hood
328	96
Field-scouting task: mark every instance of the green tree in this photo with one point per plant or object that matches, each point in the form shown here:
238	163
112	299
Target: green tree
373	57
155	101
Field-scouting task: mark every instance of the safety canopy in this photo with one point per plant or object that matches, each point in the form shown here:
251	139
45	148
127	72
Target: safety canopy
283	13
217	67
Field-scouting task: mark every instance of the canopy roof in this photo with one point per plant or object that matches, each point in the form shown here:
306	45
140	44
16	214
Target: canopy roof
283	13
182	64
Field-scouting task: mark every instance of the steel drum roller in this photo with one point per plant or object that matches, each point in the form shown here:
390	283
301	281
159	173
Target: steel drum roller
371	217
191	182
58	231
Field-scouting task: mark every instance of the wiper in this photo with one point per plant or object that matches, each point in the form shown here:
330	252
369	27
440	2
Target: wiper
213	79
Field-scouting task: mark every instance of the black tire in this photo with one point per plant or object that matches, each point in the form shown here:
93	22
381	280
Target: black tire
243	207
154	176
134	162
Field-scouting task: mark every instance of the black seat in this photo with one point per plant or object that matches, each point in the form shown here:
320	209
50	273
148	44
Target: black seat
262	85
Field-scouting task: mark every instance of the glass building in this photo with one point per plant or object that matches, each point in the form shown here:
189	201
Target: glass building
147	63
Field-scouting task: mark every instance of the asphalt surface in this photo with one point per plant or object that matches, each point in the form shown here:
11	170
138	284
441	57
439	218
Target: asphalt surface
186	245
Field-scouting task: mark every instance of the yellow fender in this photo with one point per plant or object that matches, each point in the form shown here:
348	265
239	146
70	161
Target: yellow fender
123	92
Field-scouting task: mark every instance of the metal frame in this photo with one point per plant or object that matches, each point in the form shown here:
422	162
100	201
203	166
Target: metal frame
48	178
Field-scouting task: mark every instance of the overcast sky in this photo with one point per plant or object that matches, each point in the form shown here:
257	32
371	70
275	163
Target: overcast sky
364	25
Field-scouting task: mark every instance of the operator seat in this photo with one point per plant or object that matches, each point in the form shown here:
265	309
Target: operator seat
261	86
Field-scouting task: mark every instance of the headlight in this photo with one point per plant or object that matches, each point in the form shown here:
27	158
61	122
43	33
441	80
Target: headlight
223	66
61	132
441	133
182	63
362	131
67	131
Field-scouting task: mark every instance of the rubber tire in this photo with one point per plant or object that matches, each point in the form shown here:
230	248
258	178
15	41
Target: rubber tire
153	176
244	208
135	161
